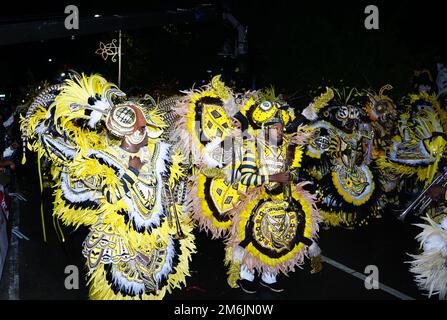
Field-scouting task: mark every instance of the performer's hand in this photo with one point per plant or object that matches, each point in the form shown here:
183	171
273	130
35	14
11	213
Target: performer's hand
436	192
282	177
135	162
316	264
7	163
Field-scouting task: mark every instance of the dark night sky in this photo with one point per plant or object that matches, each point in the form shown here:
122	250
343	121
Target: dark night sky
294	45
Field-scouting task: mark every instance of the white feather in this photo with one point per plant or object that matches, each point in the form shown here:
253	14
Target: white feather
60	145
133	287
101	106
434	243
314	250
209	148
231	107
430	267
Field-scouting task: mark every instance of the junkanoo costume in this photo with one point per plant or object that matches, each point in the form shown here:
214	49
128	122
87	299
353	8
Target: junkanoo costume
205	134
276	224
382	113
230	193
426	140
418	147
338	157
140	244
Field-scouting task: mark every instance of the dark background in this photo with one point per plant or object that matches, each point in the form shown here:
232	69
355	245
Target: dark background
295	45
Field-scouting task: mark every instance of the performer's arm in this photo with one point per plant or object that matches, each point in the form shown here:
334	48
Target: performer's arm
126	176
294	175
249	170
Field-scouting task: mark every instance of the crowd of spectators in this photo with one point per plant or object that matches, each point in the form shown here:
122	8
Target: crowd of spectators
10	153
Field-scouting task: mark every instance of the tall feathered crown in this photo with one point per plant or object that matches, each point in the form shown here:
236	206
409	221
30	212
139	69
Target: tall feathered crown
311	112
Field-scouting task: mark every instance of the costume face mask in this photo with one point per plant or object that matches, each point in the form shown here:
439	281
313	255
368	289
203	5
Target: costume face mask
349	116
137	137
127	120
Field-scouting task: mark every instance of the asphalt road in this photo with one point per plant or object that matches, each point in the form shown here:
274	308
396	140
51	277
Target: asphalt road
384	243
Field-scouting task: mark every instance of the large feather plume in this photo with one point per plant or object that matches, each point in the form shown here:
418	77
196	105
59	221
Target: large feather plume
430	267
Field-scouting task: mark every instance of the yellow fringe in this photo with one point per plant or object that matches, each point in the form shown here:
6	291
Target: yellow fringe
346	196
204	206
331	219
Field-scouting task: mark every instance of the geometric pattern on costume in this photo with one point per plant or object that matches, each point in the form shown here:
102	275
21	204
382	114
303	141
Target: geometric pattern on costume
133	250
205	135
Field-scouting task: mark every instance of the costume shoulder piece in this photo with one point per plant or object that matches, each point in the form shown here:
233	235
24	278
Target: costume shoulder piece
63	125
204	122
418	149
208	133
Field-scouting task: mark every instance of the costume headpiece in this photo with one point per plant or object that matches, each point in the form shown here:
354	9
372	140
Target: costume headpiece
242	119
422	78
311	112
126	118
380	105
268	112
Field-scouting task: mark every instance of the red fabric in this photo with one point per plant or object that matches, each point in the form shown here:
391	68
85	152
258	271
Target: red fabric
5	203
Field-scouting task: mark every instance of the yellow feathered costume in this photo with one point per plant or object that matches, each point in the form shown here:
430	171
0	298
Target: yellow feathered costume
135	248
205	133
215	128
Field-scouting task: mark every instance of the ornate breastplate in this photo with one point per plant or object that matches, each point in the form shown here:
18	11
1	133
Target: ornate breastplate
275	226
272	160
144	193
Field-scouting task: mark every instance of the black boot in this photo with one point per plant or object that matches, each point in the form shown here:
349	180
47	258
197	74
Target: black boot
275	287
247	286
